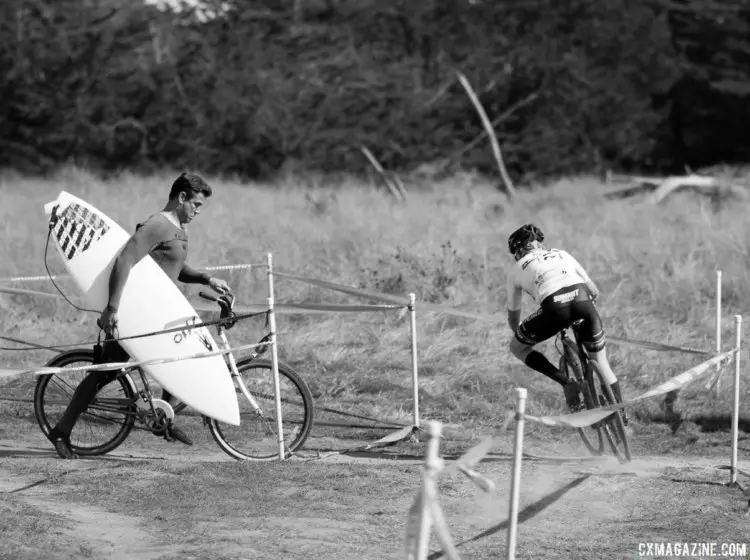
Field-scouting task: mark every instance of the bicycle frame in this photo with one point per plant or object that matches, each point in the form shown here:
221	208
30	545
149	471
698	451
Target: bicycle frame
582	353
221	331
147	405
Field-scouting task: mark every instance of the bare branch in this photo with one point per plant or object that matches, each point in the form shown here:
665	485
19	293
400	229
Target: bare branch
490	132
396	188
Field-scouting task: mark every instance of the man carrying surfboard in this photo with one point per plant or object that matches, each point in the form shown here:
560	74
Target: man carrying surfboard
163	236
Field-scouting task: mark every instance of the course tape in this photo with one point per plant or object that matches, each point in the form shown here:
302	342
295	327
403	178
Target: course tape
45	370
588	417
21	291
386	298
397	301
44	277
657	346
185	327
308	308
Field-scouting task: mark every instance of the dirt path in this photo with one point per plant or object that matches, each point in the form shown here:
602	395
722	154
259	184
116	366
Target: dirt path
621	503
103	534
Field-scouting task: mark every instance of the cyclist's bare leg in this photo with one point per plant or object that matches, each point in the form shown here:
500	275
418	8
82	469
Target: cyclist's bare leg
601	360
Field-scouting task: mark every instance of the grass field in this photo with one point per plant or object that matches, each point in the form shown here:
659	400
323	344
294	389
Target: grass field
655	266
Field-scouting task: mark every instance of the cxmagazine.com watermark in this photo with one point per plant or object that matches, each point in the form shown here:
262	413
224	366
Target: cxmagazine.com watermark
693	550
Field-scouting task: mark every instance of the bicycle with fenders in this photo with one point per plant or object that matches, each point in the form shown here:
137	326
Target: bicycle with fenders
595	393
120	406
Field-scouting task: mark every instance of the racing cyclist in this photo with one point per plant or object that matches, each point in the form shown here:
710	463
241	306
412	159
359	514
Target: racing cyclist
562	289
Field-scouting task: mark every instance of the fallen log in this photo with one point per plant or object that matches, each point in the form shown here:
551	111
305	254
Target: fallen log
660	188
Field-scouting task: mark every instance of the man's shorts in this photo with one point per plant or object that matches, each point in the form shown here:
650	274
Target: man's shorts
558	311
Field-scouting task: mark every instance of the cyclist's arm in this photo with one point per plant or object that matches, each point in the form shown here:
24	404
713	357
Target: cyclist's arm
138	246
189	275
584	275
514	295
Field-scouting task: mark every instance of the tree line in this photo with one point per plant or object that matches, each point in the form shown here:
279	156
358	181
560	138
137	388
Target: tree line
249	85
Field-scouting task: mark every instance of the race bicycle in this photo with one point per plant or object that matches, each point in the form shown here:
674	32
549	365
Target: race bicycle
576	363
121	404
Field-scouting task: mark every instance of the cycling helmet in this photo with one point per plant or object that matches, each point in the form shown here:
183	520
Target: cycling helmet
523	236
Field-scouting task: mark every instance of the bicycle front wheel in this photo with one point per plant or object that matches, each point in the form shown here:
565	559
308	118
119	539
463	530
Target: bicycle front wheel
570	366
612	426
256	438
108	420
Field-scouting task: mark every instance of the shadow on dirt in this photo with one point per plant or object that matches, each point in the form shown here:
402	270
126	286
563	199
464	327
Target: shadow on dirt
719	422
6	452
524	515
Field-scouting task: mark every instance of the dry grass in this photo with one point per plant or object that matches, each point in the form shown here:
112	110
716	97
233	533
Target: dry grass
655	267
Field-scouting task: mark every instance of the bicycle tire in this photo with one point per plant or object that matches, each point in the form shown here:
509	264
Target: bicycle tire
258	378
570	362
97	415
614	427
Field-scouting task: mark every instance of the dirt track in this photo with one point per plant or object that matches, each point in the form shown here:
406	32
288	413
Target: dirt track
654	498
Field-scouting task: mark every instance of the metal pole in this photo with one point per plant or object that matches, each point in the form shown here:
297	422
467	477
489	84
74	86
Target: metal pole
718	329
414	372
736	406
515	481
275	358
432	466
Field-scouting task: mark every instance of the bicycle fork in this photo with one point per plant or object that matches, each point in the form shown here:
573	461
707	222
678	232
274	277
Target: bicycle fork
236	374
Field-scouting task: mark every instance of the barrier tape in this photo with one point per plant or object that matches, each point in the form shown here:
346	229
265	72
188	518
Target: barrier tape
45	370
657	346
396	301
588	417
34	346
22	291
310	307
182	328
42	277
394	437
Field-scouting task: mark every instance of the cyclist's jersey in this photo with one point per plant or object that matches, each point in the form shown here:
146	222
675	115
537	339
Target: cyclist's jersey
166	242
542	272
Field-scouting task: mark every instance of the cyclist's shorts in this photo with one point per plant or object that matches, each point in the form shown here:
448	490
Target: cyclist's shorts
560	309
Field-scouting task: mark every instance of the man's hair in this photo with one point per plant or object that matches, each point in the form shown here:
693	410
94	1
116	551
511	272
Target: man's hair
191	184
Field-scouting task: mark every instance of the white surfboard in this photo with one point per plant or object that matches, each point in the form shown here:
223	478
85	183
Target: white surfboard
88	242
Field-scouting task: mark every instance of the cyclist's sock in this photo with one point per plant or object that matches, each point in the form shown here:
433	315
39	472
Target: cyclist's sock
539	362
616	391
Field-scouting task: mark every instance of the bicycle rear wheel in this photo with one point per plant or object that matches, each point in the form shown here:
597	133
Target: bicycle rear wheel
256	436
612	426
570	366
105	424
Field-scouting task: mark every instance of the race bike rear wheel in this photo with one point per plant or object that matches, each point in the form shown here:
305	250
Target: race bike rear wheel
570	366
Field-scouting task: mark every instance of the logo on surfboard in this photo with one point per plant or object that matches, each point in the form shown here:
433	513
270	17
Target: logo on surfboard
76	228
190	328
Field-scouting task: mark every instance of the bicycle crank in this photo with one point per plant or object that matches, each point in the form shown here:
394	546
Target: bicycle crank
159	418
